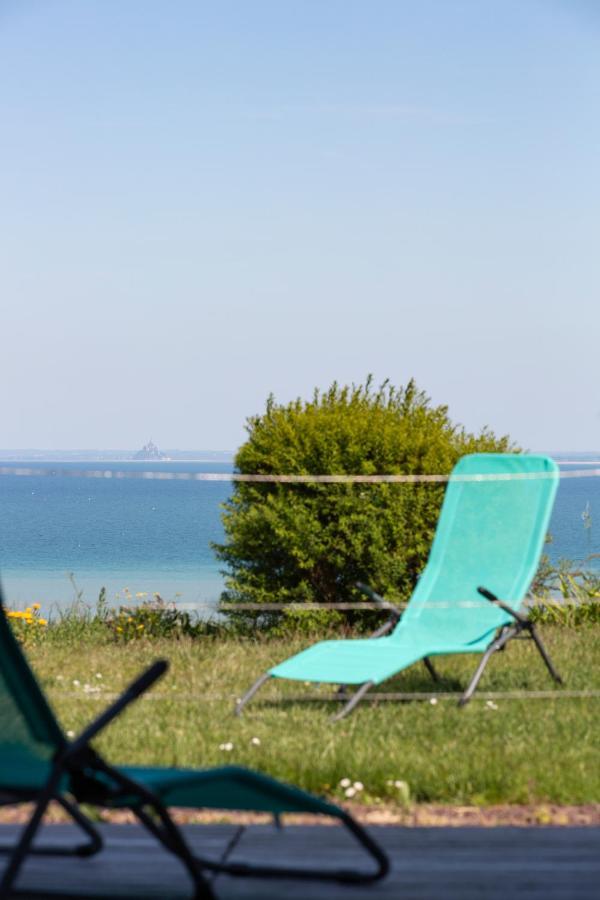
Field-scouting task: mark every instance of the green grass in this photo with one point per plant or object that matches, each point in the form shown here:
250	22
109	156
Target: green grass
525	751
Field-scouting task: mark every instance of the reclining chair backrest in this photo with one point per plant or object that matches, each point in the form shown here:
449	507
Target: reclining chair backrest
491	533
28	727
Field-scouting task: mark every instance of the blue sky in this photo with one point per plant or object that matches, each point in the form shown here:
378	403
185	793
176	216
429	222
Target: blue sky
204	203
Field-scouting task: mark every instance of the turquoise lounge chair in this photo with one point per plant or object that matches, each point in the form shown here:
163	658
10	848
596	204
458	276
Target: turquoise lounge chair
487	546
39	764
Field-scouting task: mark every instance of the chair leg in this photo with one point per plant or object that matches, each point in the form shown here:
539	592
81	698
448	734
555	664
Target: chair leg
95	843
251	692
544	654
22	848
353	701
170	836
476	677
89	848
430	668
496	644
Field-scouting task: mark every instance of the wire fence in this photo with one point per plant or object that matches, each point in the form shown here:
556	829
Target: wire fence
257	478
366	606
328	696
60	471
490	698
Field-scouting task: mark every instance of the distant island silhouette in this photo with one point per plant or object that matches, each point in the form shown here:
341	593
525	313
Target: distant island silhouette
149	451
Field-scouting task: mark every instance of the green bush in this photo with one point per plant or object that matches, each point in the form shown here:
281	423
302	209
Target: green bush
312	542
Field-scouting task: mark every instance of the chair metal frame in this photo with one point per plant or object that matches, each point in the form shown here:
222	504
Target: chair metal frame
522	628
92	780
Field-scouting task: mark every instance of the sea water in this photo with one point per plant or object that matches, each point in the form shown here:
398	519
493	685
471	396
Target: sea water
63	535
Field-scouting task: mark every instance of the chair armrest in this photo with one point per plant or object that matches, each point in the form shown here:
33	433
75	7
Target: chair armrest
385	628
395	613
378	599
500	603
131	693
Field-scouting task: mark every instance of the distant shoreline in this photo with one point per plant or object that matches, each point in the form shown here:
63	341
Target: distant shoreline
38	460
117	456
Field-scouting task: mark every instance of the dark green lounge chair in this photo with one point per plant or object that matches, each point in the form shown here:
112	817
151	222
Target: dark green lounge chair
487	544
39	764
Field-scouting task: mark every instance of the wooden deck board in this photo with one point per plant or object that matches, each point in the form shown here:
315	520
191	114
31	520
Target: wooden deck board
427	863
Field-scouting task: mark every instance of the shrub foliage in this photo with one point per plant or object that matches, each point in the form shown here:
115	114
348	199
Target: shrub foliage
304	542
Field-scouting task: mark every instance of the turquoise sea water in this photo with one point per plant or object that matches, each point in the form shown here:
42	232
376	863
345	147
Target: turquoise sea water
154	535
130	533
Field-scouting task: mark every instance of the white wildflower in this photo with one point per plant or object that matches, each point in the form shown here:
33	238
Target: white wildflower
76	682
349	792
358	786
491	705
228	747
403	789
98	674
345	783
255	741
433	701
70	734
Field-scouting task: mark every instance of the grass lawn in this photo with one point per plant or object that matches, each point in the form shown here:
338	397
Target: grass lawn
523	751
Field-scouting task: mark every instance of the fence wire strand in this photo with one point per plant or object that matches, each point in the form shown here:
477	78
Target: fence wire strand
374	697
59	472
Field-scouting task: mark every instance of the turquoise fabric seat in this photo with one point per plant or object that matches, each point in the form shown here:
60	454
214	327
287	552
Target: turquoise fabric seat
228	787
371	659
490	534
